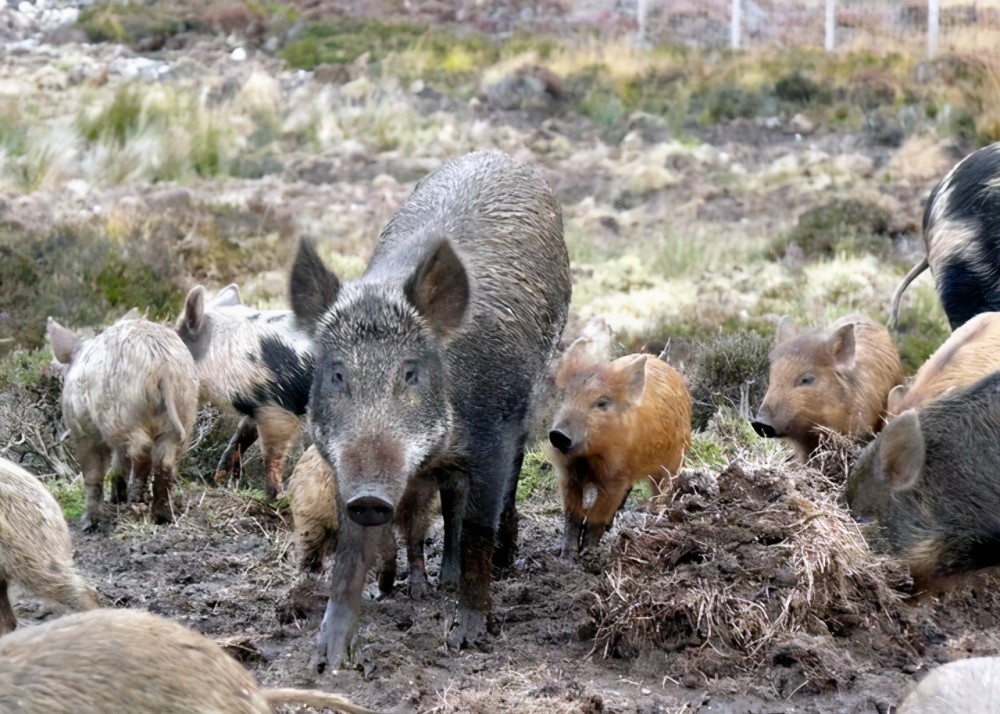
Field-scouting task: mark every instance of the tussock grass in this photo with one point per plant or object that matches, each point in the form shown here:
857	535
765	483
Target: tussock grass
748	566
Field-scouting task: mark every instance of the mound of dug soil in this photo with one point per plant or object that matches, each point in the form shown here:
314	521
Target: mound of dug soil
754	569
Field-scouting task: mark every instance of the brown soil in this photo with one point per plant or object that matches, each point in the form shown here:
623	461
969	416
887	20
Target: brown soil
227	564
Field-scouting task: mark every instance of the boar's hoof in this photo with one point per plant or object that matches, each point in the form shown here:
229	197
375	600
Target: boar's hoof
468	629
764	429
369	510
569	555
561	440
90	523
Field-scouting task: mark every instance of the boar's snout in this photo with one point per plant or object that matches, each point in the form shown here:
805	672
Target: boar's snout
563	440
370	509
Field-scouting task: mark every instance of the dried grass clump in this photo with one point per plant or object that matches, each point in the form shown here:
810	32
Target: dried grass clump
758	565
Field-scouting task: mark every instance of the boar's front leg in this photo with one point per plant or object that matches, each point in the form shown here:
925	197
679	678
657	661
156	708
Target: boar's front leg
488	488
357	547
230	466
454	494
506	546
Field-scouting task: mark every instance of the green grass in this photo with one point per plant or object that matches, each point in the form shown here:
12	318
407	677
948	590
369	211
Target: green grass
23	368
537	477
344	42
69	496
117	122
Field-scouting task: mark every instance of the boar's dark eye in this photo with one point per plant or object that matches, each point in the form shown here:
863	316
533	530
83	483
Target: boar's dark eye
807	378
410	374
604	403
337	376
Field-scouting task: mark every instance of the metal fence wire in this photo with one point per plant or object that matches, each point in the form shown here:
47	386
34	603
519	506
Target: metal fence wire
930	26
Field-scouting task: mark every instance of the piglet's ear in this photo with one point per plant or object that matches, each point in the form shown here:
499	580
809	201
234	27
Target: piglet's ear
63	341
194	310
227	297
896	396
786	330
312	288
842	346
439	289
902	451
634	373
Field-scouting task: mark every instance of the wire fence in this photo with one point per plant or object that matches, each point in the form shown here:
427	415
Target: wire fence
929	26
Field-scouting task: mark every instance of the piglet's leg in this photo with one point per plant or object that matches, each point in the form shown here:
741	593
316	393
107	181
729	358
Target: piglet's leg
230	468
357	547
277	428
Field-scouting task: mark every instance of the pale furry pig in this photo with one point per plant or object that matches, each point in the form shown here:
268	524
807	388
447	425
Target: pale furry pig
969	354
966	686
130	395
35	548
255	361
106	661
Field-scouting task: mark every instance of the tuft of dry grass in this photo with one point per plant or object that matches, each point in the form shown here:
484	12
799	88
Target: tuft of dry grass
759	564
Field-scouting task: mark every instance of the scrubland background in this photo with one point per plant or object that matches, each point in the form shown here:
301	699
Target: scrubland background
149	147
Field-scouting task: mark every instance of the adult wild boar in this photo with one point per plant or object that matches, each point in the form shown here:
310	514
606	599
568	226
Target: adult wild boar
969	354
618	423
965	686
256	361
35	549
962	239
931	480
312	493
132	661
836	379
130	393
425	367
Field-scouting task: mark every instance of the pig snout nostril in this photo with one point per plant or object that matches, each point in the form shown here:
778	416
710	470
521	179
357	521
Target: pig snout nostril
561	440
370	510
763	429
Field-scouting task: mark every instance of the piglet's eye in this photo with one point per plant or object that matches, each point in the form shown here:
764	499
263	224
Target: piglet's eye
807	378
603	403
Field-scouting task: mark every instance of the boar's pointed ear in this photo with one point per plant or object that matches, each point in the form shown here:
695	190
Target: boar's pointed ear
227	297
132	314
439	289
194	310
634	373
902	451
786	330
312	288
896	396
842	346
63	341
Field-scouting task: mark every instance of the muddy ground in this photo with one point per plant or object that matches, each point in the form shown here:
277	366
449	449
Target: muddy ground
227	564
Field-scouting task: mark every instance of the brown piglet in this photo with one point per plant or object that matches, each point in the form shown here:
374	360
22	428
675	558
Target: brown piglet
836	379
618	423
